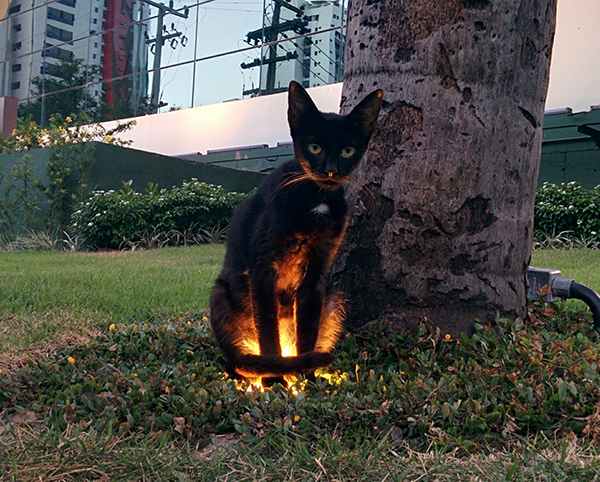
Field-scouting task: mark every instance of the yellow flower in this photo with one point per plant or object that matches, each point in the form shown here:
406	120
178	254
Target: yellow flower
447	337
134	122
190	352
112	327
204	318
296	418
14	132
68	119
108	139
167	390
71	360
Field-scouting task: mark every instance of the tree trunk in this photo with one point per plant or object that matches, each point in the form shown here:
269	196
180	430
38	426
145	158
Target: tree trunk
442	205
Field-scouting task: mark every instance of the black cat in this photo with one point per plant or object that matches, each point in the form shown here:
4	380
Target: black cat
271	312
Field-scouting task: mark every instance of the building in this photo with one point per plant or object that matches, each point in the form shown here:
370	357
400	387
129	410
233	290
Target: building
109	35
36	35
125	55
323	53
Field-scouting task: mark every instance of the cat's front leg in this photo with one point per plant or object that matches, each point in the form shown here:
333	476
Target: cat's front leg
309	304
264	306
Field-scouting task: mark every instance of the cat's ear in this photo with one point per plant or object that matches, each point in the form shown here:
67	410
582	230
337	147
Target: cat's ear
300	106
364	115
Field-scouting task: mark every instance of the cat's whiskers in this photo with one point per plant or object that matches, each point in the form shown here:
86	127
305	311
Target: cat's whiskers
291	180
364	187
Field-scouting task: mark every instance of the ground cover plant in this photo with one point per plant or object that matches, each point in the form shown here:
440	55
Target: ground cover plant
146	399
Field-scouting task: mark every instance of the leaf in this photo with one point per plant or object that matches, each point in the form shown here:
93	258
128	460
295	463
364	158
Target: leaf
446	410
512	471
562	390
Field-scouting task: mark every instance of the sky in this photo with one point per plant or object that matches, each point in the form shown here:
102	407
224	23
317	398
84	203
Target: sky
575	66
223	24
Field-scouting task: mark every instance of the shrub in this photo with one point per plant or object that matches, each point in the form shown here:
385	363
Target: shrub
567	208
191	213
23	197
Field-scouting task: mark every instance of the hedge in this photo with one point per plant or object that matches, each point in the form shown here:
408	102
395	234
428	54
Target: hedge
568	209
126	218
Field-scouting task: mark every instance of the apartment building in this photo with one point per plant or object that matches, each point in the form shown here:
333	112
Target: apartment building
37	34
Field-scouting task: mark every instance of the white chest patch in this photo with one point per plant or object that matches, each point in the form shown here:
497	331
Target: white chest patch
320	209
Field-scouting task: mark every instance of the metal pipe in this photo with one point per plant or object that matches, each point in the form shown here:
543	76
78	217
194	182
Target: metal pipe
549	284
590	297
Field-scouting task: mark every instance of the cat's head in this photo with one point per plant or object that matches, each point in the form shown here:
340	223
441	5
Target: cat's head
329	146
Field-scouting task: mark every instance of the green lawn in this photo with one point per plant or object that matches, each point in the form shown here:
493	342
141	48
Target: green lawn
147	400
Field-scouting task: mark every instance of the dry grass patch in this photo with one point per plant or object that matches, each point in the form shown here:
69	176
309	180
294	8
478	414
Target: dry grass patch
26	338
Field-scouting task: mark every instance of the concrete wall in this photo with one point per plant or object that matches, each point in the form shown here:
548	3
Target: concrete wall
240	123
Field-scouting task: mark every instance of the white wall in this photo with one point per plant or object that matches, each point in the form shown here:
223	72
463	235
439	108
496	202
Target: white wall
260	120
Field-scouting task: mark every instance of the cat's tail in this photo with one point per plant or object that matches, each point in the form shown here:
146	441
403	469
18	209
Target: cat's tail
252	366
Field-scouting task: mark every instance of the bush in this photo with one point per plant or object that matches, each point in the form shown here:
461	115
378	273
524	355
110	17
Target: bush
568	208
192	213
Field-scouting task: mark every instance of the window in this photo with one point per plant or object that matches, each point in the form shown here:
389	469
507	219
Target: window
16	68
68	3
15	85
13	10
17	27
59	34
60	16
57	53
16	46
50	69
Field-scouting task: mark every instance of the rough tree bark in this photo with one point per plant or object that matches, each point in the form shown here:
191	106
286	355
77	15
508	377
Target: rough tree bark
442	206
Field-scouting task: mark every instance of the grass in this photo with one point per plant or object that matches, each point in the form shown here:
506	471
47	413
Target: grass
67	297
147	399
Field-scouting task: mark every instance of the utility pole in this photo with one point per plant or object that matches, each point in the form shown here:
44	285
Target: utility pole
273	50
158	42
271	34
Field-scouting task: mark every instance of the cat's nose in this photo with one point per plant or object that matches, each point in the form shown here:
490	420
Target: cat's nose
331	171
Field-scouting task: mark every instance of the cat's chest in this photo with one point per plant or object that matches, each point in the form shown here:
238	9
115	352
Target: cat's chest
292	262
321	210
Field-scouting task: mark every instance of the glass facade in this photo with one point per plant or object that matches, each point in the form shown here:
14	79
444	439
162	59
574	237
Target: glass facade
122	58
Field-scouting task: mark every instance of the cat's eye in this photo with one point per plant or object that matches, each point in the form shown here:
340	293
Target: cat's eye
315	148
348	152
